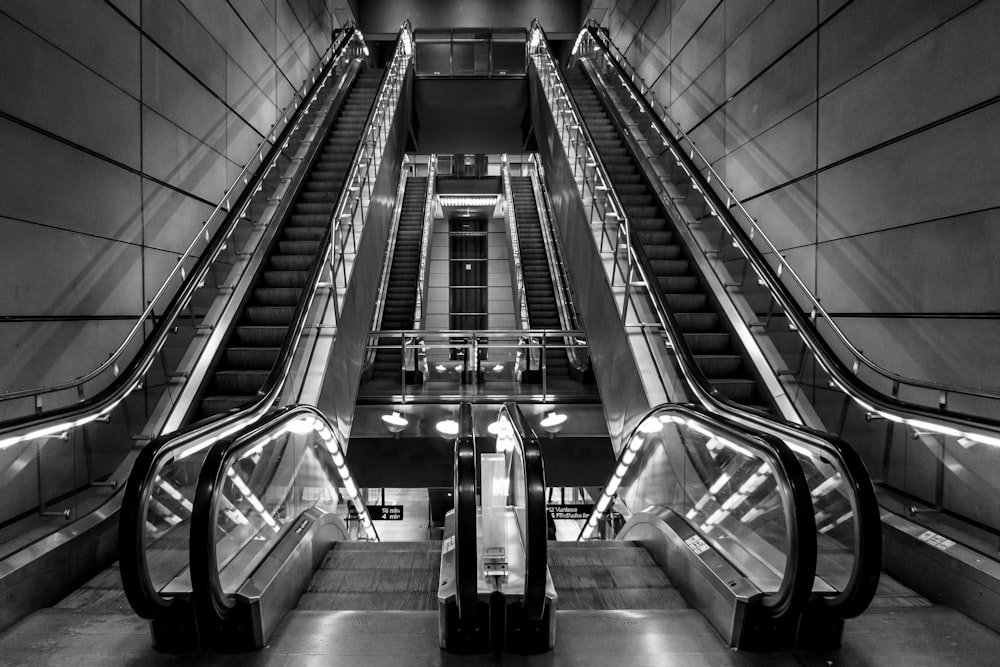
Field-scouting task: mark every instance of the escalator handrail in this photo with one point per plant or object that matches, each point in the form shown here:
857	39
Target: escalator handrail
849	382
138	587
337	46
536	529
144	598
864	577
520	288
212	604
103	402
466	522
800	567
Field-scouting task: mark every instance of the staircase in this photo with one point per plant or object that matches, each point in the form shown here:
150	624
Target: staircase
684	289
262	325
538	285
401	291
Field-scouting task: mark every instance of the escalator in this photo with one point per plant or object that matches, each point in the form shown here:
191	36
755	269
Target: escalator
246	359
401	288
729	537
716	350
539	289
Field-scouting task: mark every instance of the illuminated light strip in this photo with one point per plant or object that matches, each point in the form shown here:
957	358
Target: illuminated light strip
176	495
468	201
252	499
826	486
719	483
829	527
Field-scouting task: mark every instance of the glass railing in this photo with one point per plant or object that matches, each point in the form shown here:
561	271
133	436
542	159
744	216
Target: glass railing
480	362
845	507
745	496
925	440
65	462
259	493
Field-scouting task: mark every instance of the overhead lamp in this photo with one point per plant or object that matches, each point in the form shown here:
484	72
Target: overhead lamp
498	368
395	422
553	422
447	428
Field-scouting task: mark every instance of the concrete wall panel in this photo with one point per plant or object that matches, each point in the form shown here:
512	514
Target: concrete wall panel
883	102
906	269
46	88
773	32
860	35
176	96
943	172
778	93
777	156
94	33
84	275
59	186
180	159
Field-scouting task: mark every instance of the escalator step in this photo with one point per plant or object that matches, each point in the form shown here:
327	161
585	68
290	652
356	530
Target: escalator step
251	358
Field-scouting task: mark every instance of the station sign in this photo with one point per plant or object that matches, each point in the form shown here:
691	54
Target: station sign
579	511
378	512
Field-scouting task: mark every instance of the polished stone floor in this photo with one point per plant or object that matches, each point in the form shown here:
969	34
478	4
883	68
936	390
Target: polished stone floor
912	637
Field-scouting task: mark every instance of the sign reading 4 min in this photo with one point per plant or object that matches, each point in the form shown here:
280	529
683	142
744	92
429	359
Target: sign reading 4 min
386	512
378	512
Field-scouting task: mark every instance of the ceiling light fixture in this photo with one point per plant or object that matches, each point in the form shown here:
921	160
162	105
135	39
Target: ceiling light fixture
394	422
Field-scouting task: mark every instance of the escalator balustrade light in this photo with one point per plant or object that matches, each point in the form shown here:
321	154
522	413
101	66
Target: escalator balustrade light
650	426
395	422
448	428
719	483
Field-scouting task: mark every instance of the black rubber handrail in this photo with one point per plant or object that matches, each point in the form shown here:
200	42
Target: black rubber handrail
213	606
863	582
466	522
536	529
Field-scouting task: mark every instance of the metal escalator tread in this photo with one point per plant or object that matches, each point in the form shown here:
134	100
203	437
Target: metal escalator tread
261	326
401	290
685	292
609	575
376	576
538	283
